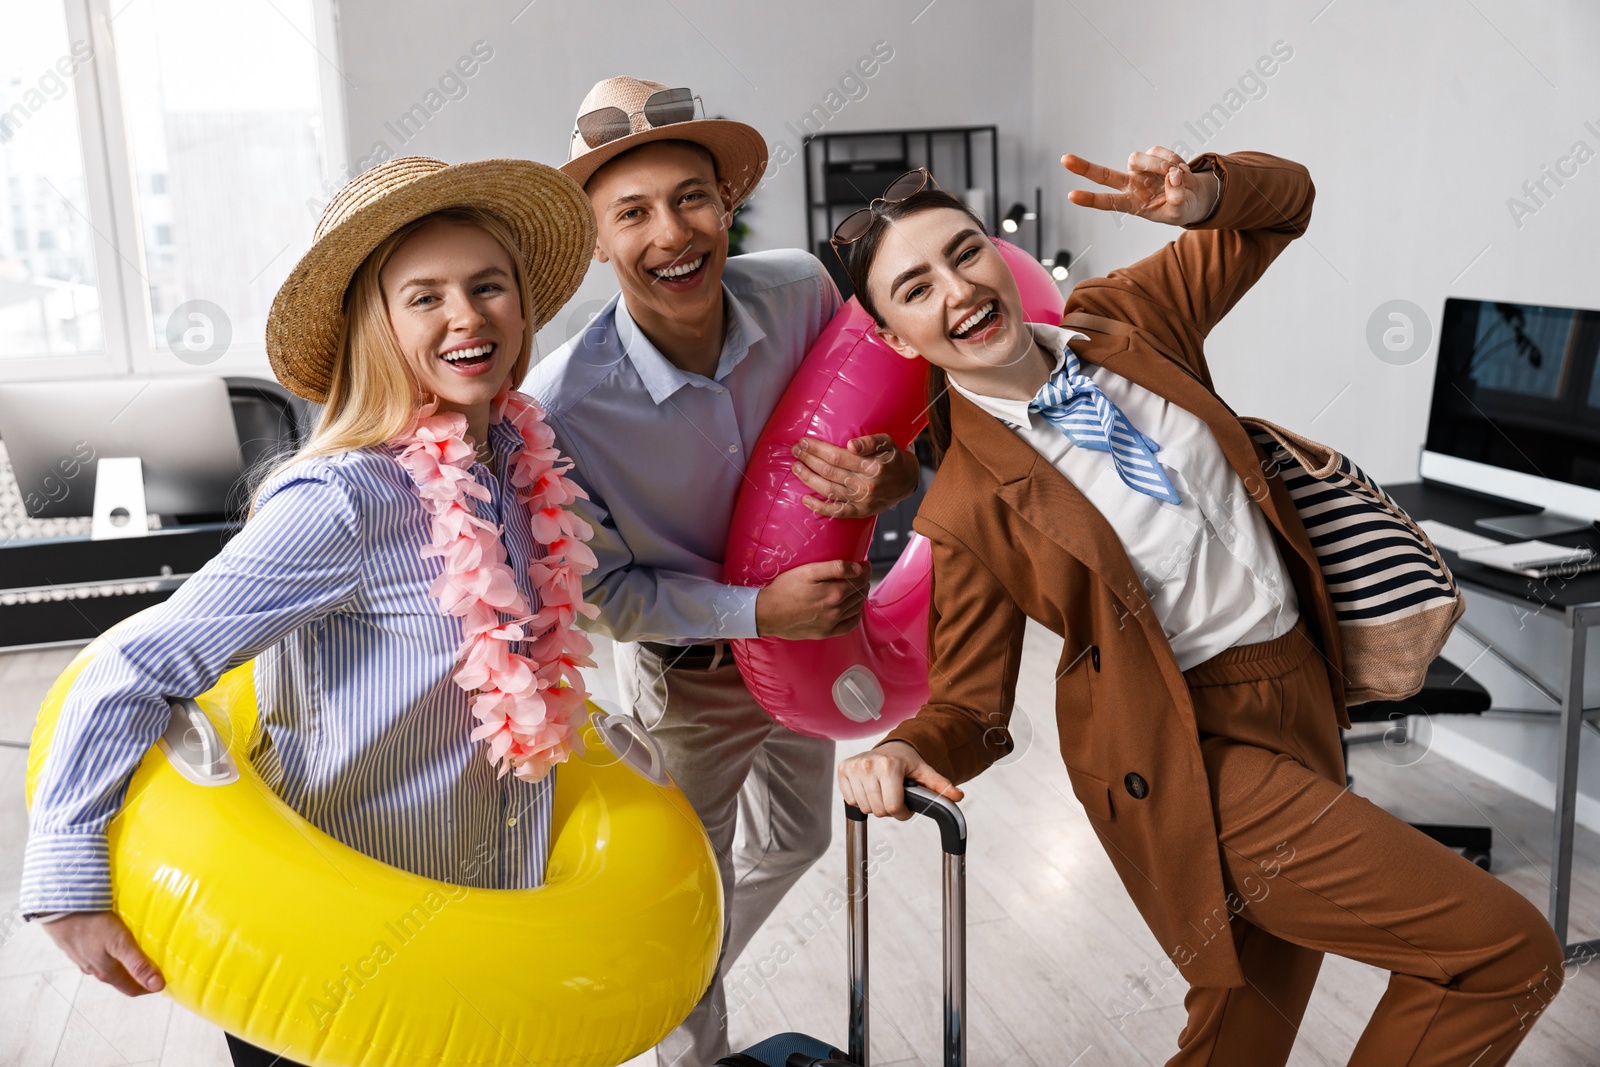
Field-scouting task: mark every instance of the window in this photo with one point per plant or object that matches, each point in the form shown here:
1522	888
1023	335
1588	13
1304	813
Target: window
226	120
49	286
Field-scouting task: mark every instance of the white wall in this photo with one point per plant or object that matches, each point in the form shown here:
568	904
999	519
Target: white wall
1418	122
766	64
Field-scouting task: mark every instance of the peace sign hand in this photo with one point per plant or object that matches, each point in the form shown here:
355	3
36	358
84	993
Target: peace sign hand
1158	185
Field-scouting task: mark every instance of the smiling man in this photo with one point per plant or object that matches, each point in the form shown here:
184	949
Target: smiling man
659	402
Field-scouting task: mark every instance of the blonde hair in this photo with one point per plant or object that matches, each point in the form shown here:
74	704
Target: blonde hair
374	395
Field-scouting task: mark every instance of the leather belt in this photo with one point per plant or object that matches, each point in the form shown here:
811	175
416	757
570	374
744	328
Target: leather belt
691	657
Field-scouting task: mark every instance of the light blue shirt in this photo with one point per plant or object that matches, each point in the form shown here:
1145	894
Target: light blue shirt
363	731
662	452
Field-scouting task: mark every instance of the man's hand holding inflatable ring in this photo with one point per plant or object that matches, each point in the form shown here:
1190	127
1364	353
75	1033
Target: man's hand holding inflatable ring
869	475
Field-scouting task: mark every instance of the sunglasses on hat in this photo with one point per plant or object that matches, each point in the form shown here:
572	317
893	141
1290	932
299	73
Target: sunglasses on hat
858	222
662	108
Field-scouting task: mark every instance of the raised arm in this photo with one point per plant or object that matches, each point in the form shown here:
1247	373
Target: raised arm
1179	293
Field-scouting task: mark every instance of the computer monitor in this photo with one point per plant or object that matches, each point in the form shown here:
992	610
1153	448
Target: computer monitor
182	430
1516	412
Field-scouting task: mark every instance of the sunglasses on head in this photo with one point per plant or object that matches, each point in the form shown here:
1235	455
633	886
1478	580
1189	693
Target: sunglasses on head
858	222
662	108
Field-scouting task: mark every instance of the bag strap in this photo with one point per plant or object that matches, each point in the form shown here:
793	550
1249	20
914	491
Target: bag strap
1319	460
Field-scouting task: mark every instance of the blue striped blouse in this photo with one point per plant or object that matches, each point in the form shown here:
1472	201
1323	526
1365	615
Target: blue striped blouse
363	731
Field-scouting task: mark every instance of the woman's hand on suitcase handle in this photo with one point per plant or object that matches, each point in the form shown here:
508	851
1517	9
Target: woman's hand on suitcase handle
99	943
874	781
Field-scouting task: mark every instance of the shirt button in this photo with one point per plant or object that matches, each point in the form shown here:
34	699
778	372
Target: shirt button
511	821
733	448
1136	786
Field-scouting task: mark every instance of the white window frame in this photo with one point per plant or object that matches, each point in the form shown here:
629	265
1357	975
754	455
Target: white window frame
112	200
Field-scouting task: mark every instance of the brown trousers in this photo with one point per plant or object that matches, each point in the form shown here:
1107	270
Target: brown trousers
1313	868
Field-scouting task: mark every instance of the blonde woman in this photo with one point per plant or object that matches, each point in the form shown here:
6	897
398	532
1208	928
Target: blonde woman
405	582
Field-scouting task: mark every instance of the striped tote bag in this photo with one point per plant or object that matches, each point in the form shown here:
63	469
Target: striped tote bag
1396	600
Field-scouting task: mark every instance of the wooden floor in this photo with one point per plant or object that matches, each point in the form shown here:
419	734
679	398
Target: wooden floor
1062	971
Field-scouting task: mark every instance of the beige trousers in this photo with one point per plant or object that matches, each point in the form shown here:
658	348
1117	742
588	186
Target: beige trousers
763	792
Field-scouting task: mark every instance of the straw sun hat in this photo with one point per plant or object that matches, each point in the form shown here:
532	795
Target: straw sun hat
547	212
740	152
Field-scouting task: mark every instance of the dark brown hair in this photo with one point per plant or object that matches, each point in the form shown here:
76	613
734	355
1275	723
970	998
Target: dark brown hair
858	257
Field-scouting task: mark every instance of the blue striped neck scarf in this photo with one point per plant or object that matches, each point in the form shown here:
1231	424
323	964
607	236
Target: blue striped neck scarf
1076	406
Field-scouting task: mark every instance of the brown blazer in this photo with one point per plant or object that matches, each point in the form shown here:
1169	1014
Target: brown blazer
1013	539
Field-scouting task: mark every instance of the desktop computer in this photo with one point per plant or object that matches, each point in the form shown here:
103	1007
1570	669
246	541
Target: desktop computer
1516	413
181	429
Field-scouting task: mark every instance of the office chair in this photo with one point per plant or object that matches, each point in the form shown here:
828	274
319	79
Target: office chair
1447	691
272	423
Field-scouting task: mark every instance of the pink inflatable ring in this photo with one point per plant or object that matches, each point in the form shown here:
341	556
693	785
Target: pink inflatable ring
850	383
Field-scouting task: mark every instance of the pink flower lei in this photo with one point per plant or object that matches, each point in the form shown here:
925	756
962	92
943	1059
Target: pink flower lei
522	706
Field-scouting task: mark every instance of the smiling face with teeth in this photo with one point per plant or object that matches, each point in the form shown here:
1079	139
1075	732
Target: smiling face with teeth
453	299
942	292
663	226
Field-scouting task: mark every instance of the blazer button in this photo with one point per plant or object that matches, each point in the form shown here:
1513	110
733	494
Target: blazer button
1136	786
1094	656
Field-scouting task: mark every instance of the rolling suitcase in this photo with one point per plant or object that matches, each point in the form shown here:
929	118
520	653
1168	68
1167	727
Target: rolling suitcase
797	1050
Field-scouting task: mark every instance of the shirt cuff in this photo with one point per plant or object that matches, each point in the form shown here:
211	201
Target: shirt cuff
736	611
65	872
1215	204
1208	163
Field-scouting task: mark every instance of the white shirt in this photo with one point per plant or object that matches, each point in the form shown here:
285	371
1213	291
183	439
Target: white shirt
1209	565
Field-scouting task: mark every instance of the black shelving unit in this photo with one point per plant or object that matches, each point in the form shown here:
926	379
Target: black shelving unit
845	171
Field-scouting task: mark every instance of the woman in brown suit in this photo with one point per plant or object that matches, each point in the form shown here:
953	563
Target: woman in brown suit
1101	488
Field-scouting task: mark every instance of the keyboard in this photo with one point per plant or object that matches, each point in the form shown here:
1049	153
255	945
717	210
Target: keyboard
1453	538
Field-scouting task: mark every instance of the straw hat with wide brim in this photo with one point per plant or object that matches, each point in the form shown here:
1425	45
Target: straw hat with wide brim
547	212
739	151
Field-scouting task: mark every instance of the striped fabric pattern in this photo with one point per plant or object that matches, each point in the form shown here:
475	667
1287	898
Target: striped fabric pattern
363	731
1378	566
1078	408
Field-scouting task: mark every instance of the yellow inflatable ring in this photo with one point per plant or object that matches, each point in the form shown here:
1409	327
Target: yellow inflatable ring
277	932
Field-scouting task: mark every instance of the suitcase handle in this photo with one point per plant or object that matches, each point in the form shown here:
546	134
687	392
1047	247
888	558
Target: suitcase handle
942	810
953	839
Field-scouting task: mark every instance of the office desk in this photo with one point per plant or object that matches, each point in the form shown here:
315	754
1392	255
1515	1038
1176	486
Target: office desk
61	590
1577	599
